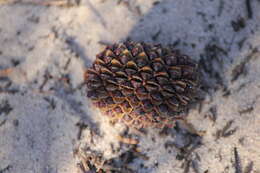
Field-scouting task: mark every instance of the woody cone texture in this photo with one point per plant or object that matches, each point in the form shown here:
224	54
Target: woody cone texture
142	85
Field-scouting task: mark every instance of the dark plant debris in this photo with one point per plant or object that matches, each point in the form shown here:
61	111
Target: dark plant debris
198	157
135	9
200	106
16	123
176	43
164	132
238	166
186	151
156	3
94	162
221	6
225	132
5	107
241	86
186	166
246	110
212	113
51	101
249	167
241	140
187	154
15	62
238	24
156	35
3	122
208	63
6	169
229	133
9	91
171	144
226	92
67	64
104	43
81	126
226	127
240	69
249	9
241	43
47	76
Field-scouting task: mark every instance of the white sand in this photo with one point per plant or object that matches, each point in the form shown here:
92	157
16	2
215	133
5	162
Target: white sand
36	137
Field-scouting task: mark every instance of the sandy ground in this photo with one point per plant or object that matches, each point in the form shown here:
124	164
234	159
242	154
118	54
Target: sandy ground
45	115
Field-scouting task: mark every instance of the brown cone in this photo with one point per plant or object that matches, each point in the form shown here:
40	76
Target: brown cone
142	85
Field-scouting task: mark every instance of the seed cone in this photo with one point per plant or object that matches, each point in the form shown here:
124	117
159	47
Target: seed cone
142	85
